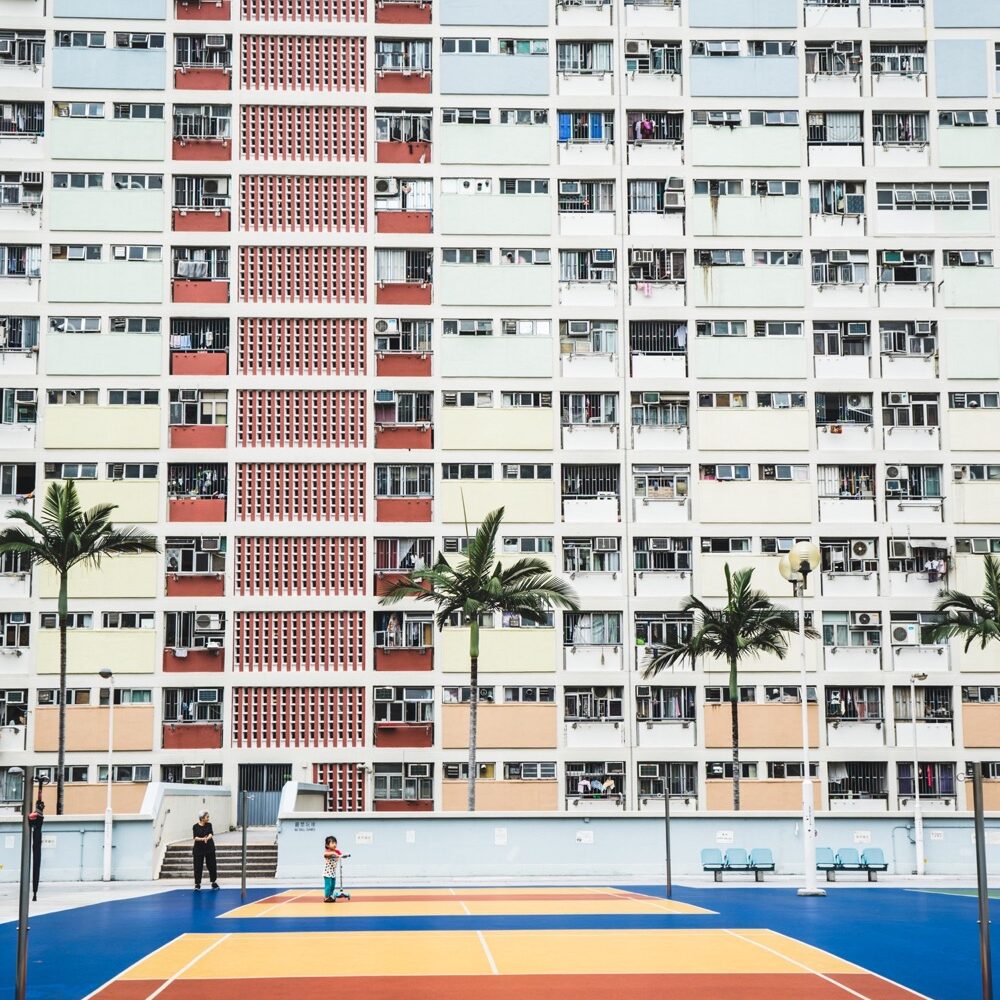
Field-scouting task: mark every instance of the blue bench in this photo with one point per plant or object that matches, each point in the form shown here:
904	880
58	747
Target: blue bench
871	861
736	859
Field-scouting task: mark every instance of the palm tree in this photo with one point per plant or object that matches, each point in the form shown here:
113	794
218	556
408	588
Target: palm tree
62	538
975	619
747	625
479	586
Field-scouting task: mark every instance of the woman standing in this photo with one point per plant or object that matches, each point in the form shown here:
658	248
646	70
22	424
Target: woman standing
204	850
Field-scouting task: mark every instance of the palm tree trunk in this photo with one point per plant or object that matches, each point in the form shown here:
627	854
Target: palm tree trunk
61	757
734	703
473	708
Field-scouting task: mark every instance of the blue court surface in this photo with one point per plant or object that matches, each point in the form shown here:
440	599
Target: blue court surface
902	940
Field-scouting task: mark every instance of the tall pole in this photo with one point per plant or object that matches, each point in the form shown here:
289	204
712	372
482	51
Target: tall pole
108	810
666	832
918	817
243	849
985	961
808	805
21	973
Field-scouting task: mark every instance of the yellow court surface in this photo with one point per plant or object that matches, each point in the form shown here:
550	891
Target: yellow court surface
463	902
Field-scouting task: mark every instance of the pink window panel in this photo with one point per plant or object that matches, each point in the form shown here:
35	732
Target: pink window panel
289	203
318	641
279	346
298	717
303	62
345	786
305	10
302	274
301	565
301	418
272	132
300	491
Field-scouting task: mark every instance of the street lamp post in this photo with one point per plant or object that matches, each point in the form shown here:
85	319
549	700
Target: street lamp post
918	816
109	676
795	567
24	888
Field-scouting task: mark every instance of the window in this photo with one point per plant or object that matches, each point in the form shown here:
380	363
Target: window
844	198
910	409
587	126
22	48
404	704
480	398
604	704
524	470
525	770
661	555
80	181
124	772
133	397
652	57
74	324
466	471
137	40
853	704
15	630
402	336
202	122
592	628
74	619
716	48
465	116
655	126
192	51
715	770
724	472
592	555
76	252
959	119
16	480
195	556
664	704
80	39
402	56
524	185
524	116
899	128
774	117
396	409
584	58
662	628
899	58
525	256
191	705
70	470
781	400
835	128
933	197
980	695
525	327
659	409
196	263
777	258
127	619
732	119
718	188
725	545
791	769
661	482
589	408
529	695
657	266
138	112
968	258
908	339
525	400
463	695
527	544
583	196
757	48
72	397
406	630
465	45
190	407
783	473
135	324
403	481
454	772
937	780
839	267
719	258
467	328
723	400
523	47
73	774
393	554
841	339
403	782
402	126
466	255
776	328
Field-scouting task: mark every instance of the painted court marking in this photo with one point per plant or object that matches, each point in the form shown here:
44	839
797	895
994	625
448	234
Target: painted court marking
489	954
284	902
464	907
194	961
135	964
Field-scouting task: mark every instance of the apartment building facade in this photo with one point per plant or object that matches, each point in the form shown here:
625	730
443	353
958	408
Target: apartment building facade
301	285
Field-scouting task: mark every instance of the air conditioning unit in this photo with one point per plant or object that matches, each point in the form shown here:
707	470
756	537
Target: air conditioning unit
899	548
958	474
189	395
651	398
386	185
840	256
660	544
924	327
215	41
386	325
208	623
856	330
6	46
643	691
843	46
578	328
642	256
17	617
703	258
906	634
606	543
649	770
569	187
899	399
385	396
863	550
32	178
854	400
418	770
193	772
602	256
897	472
207	696
893	486
865	619
637	47
211	544
216	185
383	694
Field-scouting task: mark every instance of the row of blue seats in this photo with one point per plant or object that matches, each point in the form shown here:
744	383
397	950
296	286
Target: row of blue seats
871	861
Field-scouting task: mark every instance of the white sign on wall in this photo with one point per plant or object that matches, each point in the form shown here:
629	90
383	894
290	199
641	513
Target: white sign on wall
364	838
500	836
8	843
937	834
723	836
411	836
584	836
862	836
49	840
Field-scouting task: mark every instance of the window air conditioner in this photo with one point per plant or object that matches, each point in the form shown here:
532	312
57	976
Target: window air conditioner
897	471
208	623
569	187
17	617
703	258
840	256
189	395
642	256
606	543
383	694
208	696
386	325
193	772
865	619
863	550
843	46
578	328
211	544
924	327
418	770
637	47
31	178
856	330
216	185
898	548
660	544
215	41
899	398
906	634
385	396
649	771
643	691
6	46
386	185
602	256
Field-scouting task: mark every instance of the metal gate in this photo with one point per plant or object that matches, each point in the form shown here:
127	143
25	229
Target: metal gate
263	782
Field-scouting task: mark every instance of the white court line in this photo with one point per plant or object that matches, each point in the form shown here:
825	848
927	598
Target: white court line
489	954
194	961
136	963
284	902
461	903
885	979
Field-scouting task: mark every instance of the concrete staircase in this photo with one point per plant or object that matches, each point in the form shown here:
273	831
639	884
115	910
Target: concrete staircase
262	861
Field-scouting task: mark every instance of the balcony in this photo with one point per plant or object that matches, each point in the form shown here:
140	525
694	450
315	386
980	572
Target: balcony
192	736
501	145
195	584
662	583
914	510
595	658
594	733
194	508
594	805
403	222
403	509
666	733
753	14
13	739
917	659
845	437
400	151
199	362
87	728
404	805
404	437
404	734
403	364
832	14
653	13
836	583
847	510
404	658
194	661
500	727
660	437
855	733
201	220
204	292
761	726
860	659
403	12
929	733
132	10
896	15
203	10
